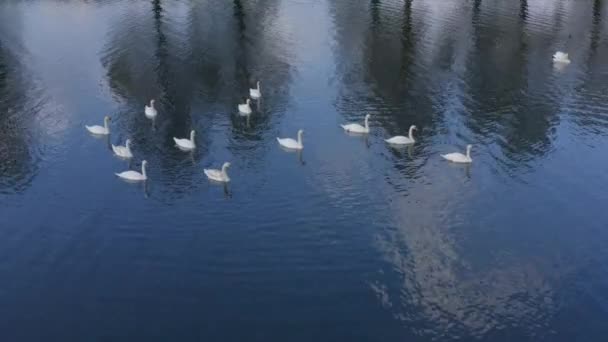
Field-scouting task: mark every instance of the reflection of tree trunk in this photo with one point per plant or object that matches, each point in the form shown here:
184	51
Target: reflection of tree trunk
241	56
597	19
161	49
523	9
406	39
375	12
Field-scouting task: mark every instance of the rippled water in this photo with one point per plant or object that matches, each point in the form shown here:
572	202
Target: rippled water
349	240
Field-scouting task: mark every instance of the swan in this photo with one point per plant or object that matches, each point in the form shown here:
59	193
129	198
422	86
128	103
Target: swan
123	151
291	143
458	157
186	144
134	175
244	108
255	93
561	57
218	175
356	128
101	130
150	111
401	140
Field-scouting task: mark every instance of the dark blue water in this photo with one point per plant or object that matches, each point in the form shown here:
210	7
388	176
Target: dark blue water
351	240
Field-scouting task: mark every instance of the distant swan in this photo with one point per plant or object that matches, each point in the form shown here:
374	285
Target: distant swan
100	130
561	57
401	140
255	93
123	151
458	157
291	143
150	111
356	128
218	175
186	144
244	108
134	175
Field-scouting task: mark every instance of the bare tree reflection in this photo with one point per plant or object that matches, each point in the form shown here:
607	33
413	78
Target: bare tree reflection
20	101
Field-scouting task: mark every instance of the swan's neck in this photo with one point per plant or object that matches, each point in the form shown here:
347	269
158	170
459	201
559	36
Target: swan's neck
224	173
411	133
300	138
366	123
105	125
469	152
258	86
192	137
143	170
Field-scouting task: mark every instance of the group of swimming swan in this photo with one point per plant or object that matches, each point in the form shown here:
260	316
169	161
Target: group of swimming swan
221	175
398	140
184	144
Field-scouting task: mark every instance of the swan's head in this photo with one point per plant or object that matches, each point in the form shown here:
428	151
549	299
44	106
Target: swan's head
469	147
128	143
225	166
192	134
144	163
367	116
107	119
413	127
258	84
152	102
300	132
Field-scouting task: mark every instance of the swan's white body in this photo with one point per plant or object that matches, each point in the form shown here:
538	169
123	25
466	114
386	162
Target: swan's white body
123	151
244	108
357	128
561	57
134	175
255	93
458	157
100	130
218	175
186	144
292	143
401	140
150	110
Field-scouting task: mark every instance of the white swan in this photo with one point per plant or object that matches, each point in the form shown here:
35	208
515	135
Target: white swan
218	175
561	57
356	128
186	144
123	151
244	108
134	175
292	143
100	130
255	93
458	157
401	140
150	110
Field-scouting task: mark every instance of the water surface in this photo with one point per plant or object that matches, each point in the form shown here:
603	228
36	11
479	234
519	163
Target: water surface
349	240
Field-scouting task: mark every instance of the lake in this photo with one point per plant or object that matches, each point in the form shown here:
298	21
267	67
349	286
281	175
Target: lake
349	240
